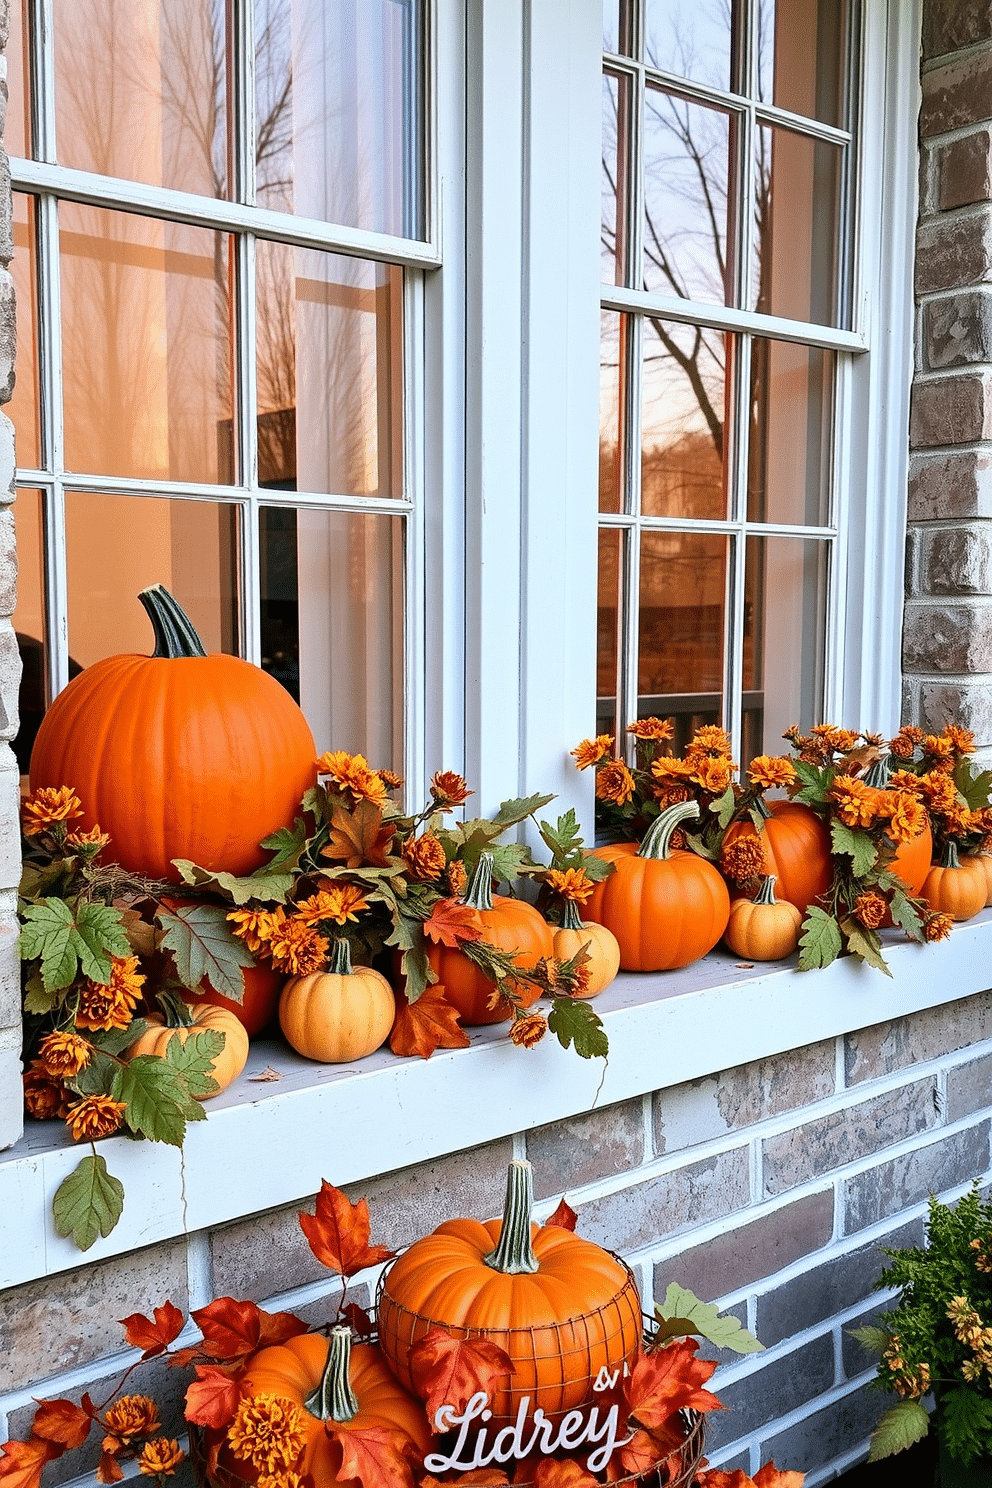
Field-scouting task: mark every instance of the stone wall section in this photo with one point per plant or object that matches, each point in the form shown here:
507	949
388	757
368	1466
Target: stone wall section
10	669
769	1188
947	639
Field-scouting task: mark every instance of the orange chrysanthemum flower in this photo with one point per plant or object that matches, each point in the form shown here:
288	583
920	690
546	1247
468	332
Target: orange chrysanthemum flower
390	779
572	883
908	816
937	926
45	1098
63	1055
448	789
456	876
906	780
424	856
582	978
529	1030
840	740
870	909
338	903
938	790
94	1116
651	728
591	751
48	806
160	1458
615	783
670	767
88	843
111	1006
256	927
710	739
742	860
298	950
670	795
132	1415
937	746
283	1480
902	746
771	770
714	775
857	804
961	740
268	1433
353	776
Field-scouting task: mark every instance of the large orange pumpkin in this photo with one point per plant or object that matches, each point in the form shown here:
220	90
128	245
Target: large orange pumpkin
178	754
561	1307
510	925
257	1007
666	908
339	1386
796	845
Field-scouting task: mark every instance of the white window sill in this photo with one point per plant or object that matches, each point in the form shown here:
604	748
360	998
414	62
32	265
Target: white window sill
266	1144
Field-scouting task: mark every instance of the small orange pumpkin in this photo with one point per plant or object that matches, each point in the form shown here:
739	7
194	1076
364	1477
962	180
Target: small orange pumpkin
956	886
340	1014
666	908
260	999
763	928
178	1020
599	943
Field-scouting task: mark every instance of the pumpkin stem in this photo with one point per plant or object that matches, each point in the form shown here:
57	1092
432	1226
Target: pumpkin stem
514	1253
763	810
334	1399
478	892
340	957
175	635
571	919
877	773
658	837
175	1010
949	857
766	893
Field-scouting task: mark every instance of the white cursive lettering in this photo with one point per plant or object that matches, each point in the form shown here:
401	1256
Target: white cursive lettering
575	1428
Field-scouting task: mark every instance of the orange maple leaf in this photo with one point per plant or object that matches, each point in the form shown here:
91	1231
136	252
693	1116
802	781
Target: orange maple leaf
338	1233
669	1380
564	1217
109	1469
715	1477
376	1457
769	1476
62	1422
451	923
358	838
213	1397
483	1477
153	1337
449	1371
233	1329
358	1321
566	1474
22	1462
425	1025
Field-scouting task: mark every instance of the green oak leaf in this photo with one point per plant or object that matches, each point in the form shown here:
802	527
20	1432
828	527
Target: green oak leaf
816	783
511	812
575	1023
204	946
905	1423
97	1077
723	806
682	1312
508	859
973	785
157	1099
563	839
270	887
116	1040
64	940
87	1203
37	997
288	844
820	942
905	915
858	846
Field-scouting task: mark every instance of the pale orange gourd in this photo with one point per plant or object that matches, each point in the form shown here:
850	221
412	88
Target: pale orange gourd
179	1020
340	1014
598	942
666	908
956	886
796	847
763	928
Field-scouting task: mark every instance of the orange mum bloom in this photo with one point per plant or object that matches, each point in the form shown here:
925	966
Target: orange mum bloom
573	883
424	856
906	780
351	774
650	728
670	767
268	1433
390	779
937	926
63	1055
133	1415
529	1030
111	1006
591	751
160	1458
47	806
771	770
298	950
45	1098
456	876
961	740
94	1116
742	860
939	791
710	740
870	908
908	816
88	843
714	775
902	745
840	740
670	795
339	902
937	746
857	804
449	789
615	783
256	927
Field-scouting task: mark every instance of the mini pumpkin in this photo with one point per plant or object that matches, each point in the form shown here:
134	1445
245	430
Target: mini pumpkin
956	885
763	928
598	942
178	1020
340	1014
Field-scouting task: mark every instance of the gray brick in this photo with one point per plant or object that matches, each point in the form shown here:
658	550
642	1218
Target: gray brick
892	1187
825	1434
752	1250
825	1290
580	1149
262	1256
947	638
964	703
4	21
955	410
737	1098
956	94
953	253
880	1050
11	1110
8	463
62	1321
637	1217
965	170
957	330
782	1386
857	1359
950	25
829	1142
969	1088
8	562
950	486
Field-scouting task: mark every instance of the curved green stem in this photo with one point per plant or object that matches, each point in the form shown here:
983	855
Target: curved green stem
334	1399
478	892
514	1253
340	964
570	918
766	893
658	837
175	1009
949	857
762	809
175	635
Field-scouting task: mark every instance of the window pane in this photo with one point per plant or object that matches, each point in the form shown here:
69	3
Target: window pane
683	421
119	545
146	346
801	56
141	90
693	38
688	150
17	128
610	608
797	185
338	111
24	405
611	25
791	412
682	601
612	384
330	365
616	124
29	620
332	620
785	587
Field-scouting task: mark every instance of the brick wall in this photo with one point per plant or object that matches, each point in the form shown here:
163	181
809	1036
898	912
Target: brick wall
768	1187
947	642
